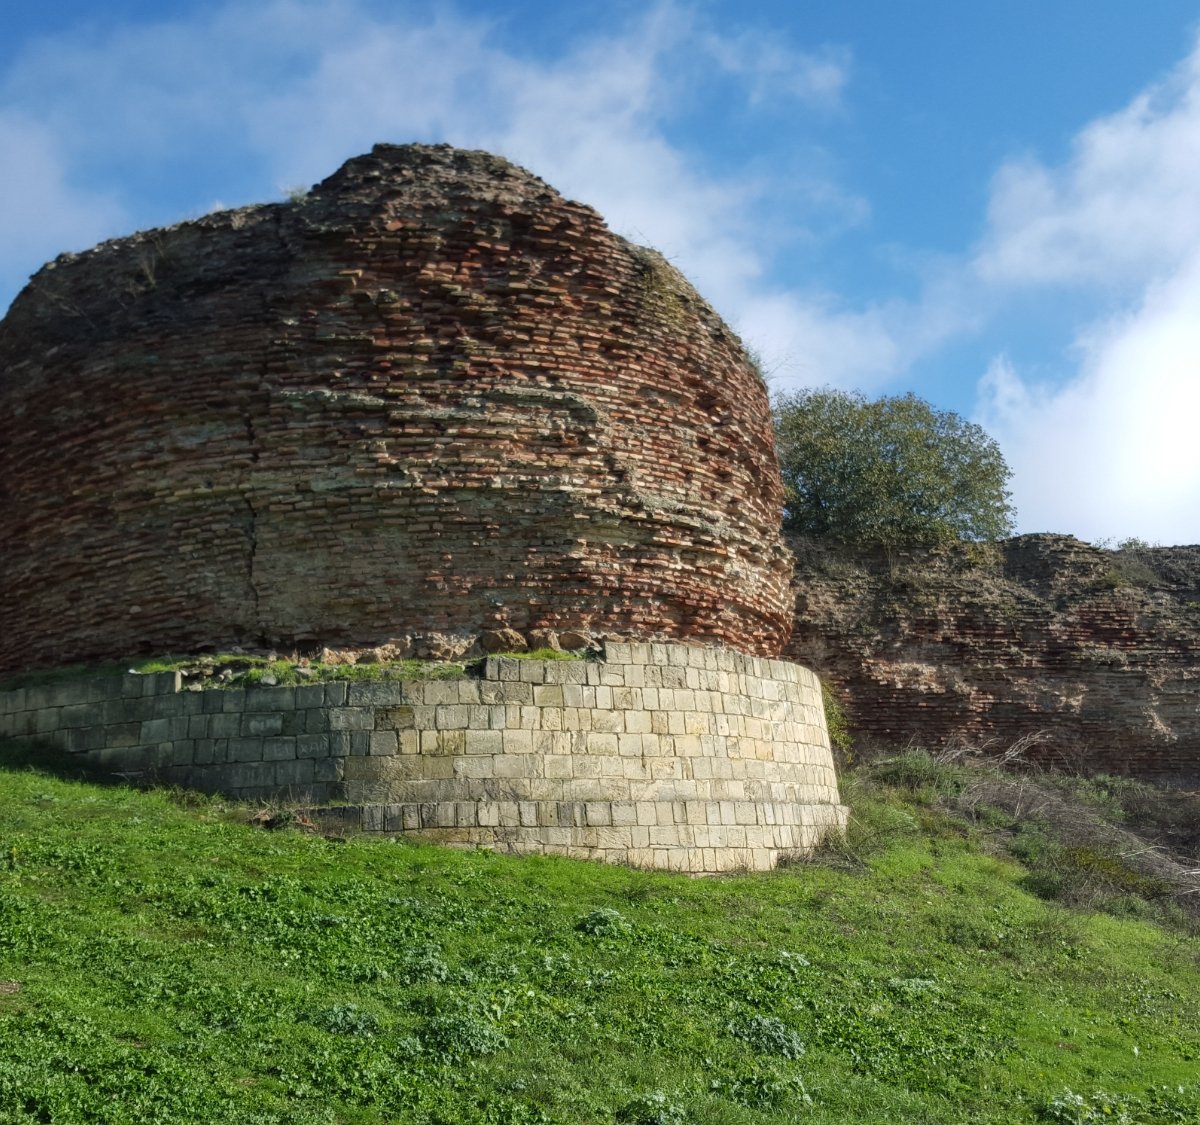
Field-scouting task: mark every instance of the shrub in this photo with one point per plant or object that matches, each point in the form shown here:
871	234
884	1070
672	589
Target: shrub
893	471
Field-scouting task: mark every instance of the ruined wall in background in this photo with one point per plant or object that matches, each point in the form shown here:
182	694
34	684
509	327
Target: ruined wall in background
432	399
1098	649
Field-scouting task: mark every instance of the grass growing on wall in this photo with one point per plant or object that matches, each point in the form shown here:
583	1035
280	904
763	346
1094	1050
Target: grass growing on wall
247	670
163	963
841	740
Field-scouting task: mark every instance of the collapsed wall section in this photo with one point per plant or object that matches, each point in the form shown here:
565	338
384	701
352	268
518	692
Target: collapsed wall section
666	756
1090	655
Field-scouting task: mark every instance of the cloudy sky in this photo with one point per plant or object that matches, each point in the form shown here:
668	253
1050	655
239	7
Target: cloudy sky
995	204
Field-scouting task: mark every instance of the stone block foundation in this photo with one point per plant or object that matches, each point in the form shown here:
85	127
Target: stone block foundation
666	756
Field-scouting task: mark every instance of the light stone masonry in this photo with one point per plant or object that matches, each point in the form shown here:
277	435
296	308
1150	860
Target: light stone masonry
677	757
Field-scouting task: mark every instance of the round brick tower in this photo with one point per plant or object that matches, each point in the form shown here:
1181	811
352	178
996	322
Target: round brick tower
432	398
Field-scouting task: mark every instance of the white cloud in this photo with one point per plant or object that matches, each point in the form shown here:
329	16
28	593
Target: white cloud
773	67
1126	203
1113	452
592	124
1109	451
806	340
294	87
42	213
153	92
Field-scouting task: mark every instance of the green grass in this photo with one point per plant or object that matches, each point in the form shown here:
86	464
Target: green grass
232	670
163	963
229	670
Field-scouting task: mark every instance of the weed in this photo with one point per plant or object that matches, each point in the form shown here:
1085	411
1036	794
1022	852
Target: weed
767	1035
757	365
1113	579
424	966
455	1036
662	288
1132	566
1158	1107
604	922
543	654
982	554
1074	1109
237	670
1077	841
835	721
652	1109
920	772
1080	875
762	1090
345	1019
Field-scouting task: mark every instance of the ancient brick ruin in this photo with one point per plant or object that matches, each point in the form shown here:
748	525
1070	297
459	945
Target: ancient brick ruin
431	400
431	409
679	757
1096	652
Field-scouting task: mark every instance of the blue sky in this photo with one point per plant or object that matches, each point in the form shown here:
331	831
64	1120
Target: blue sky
995	204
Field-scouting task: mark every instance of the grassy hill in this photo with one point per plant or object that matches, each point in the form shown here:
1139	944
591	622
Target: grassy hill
164	959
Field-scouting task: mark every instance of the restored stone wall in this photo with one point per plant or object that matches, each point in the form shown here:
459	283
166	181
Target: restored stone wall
1097	651
431	399
669	756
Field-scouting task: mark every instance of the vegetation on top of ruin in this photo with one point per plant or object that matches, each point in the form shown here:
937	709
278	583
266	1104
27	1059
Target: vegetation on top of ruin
243	669
965	956
890	472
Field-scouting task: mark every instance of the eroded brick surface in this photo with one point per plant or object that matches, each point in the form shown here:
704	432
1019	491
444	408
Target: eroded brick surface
431	399
1095	652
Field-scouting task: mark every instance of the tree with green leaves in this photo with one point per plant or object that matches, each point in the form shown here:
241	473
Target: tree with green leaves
891	471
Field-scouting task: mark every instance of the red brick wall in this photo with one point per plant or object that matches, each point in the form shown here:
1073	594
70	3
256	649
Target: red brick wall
433	398
1097	650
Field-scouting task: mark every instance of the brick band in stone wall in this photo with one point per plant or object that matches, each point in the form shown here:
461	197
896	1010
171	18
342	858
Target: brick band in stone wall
669	756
